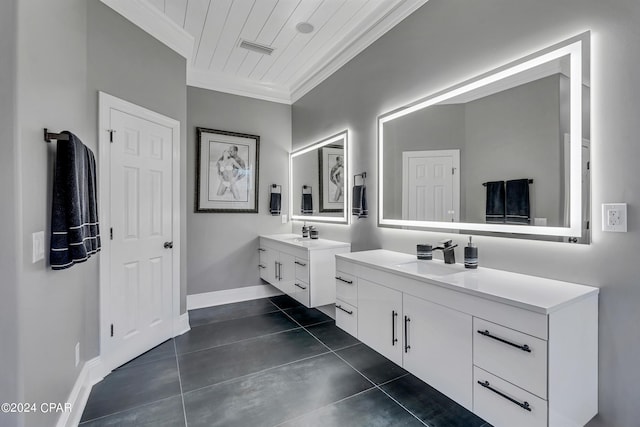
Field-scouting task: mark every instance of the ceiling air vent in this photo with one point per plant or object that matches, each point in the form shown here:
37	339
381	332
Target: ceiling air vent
256	47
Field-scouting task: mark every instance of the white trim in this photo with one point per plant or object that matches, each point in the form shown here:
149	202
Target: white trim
360	38
89	375
181	324
106	103
227	296
237	86
142	14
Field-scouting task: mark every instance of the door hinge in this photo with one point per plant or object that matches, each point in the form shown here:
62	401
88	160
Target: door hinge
111	132
588	165
588	224
112	329
111	233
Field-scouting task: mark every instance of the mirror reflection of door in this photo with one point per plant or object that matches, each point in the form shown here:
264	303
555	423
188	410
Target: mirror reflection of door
431	185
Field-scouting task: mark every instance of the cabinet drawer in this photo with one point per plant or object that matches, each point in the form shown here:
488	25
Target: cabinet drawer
504	405
346	288
301	292
302	269
347	317
516	357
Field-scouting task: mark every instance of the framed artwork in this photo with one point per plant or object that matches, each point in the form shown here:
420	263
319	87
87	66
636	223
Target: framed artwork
332	178
226	171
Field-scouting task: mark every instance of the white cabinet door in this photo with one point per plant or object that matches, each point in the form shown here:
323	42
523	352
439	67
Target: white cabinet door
287	273
268	261
380	319
438	347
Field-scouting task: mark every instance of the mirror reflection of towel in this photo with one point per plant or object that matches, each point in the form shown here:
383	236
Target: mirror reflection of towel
494	213
275	204
307	204
359	201
518	210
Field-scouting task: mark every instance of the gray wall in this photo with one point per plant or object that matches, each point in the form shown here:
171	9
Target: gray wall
448	41
223	247
66	51
10	390
128	63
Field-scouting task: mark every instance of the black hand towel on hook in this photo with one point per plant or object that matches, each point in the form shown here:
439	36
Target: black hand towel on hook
494	213
518	210
75	233
307	201
275	204
360	201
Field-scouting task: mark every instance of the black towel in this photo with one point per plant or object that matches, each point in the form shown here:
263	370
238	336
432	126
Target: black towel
75	233
518	210
359	200
494	213
307	204
275	204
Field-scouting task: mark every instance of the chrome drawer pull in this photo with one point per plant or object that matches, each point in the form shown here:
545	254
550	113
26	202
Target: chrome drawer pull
299	263
343	280
300	286
524	347
407	347
394	340
523	405
344	309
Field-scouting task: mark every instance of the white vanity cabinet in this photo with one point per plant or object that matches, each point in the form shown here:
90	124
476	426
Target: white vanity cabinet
301	268
517	350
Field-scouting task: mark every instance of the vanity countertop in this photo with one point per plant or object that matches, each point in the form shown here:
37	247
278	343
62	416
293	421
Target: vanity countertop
307	243
529	292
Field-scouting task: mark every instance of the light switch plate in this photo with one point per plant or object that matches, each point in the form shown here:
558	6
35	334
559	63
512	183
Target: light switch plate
284	218
614	217
38	246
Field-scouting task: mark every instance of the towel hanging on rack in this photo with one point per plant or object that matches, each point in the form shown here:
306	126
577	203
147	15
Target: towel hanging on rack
359	198
275	200
75	232
517	205
494	210
307	200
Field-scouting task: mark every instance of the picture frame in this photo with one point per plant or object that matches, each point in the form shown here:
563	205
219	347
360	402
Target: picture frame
331	178
227	171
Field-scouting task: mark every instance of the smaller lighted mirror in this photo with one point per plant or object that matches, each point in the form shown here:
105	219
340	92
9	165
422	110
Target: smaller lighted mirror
318	181
506	152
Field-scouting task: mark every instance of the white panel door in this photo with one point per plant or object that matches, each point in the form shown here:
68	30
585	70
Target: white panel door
438	347
431	185
141	286
380	319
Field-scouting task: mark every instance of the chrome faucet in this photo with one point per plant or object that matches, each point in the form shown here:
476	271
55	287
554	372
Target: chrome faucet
447	250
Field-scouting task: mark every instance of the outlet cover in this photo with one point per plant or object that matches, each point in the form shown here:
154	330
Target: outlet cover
284	218
614	217
38	246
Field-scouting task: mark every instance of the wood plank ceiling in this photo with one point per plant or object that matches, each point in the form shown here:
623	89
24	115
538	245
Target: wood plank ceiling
218	26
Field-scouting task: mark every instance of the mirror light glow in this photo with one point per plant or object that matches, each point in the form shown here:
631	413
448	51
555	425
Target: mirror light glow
574	51
340	137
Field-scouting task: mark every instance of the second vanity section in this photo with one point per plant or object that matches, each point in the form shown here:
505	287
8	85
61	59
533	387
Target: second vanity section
516	350
301	268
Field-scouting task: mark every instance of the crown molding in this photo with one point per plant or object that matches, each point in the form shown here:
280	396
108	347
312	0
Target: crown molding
237	86
156	23
361	37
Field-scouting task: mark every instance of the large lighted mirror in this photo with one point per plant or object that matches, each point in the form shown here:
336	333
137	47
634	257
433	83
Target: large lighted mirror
318	181
507	152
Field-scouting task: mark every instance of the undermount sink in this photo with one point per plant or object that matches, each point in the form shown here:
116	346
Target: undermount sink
430	268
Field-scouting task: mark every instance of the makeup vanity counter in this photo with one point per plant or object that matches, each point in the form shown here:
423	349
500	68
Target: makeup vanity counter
514	349
301	267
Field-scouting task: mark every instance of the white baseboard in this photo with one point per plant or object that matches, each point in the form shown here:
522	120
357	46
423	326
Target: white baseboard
90	374
210	299
181	324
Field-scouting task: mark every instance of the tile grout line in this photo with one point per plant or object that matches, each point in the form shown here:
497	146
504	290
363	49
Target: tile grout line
184	409
125	410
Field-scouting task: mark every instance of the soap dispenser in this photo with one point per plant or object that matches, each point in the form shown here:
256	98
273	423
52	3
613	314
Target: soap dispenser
471	255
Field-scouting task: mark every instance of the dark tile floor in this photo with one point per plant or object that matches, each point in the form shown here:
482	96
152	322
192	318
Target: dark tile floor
268	362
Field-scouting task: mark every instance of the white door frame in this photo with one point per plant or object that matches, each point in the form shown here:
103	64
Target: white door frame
455	157
106	103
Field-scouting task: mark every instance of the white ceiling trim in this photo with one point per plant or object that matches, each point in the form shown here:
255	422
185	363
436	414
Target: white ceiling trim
238	86
363	37
156	23
160	26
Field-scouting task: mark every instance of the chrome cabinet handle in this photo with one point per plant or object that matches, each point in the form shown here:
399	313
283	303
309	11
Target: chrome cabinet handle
406	334
344	309
343	280
523	405
523	347
300	263
300	286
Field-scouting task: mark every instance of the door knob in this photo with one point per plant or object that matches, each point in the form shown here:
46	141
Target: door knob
168	245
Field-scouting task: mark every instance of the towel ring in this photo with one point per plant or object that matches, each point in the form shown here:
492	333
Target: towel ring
306	187
275	186
362	175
